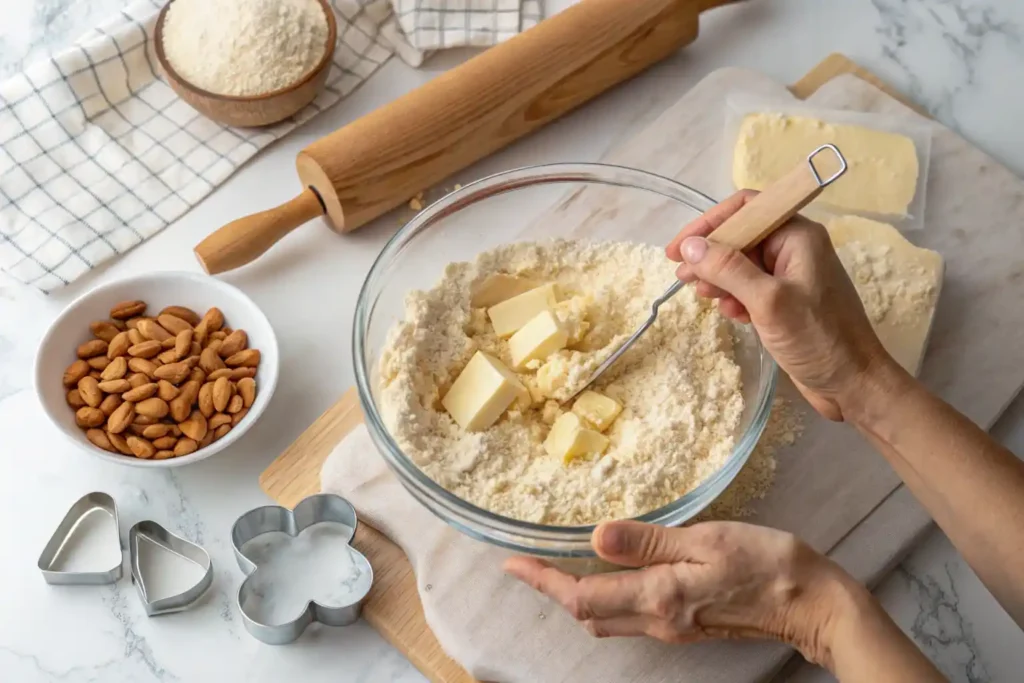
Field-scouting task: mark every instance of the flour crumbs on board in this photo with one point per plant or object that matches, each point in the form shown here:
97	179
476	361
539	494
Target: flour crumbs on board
679	387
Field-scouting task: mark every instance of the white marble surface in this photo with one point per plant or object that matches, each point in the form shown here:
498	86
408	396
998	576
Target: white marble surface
960	58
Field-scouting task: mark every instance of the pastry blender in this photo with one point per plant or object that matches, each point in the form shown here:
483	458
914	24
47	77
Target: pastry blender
754	222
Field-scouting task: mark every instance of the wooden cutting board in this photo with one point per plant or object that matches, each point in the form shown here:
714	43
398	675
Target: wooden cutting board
393	607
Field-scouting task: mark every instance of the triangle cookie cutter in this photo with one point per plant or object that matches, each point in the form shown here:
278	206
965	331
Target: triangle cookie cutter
149	531
321	507
89	504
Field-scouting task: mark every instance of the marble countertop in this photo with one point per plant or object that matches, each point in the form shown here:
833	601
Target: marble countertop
959	58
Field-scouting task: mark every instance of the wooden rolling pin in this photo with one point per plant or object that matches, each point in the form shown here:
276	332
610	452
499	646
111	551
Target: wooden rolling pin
379	161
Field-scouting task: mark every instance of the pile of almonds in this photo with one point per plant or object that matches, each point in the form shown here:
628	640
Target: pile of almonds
164	386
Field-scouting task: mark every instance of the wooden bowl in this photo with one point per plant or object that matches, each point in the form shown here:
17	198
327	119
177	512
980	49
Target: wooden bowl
251	110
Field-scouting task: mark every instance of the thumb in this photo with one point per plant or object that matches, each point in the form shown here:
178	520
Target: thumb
725	268
634	544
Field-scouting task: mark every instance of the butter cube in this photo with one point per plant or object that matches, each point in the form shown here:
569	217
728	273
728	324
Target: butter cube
570	439
482	392
500	287
537	339
510	315
597	409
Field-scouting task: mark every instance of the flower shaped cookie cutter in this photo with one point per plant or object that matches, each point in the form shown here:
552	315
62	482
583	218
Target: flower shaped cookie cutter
322	507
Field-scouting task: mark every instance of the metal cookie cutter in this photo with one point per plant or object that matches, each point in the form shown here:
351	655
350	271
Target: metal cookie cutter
88	504
161	537
323	507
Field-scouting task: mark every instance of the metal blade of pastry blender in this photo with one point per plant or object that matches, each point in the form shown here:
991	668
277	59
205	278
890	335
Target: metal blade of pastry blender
746	228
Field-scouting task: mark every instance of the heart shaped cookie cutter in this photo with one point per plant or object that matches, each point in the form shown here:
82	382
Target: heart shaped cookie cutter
87	505
149	531
322	507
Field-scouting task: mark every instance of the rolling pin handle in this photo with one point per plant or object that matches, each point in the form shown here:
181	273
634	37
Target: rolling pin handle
244	240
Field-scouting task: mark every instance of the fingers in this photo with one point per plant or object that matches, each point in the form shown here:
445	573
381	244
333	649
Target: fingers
727	269
633	544
597	596
630	625
708	221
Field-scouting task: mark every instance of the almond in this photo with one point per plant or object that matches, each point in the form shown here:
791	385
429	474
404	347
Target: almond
181	406
156	431
75	399
215	344
168	356
146	367
183	343
146	349
176	431
249	358
218	420
89	388
185	446
75	372
195	427
153	407
163	455
207	440
209	361
144	420
99	363
221	431
235	404
175	373
120	443
221	394
89	417
133	323
214	319
99	439
135	337
247	390
95	374
115	386
191	361
186	314
173	323
219	335
165	442
201	331
93	347
121	418
127	309
137	379
119	324
116	369
119	345
206	399
166	390
140	393
195	349
233	374
197	375
140	447
110	404
237	417
233	343
104	330
168	343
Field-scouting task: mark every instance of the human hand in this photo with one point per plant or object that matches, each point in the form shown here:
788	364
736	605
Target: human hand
710	580
794	290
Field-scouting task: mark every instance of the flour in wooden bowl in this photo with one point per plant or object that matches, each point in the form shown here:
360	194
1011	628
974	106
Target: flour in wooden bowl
680	386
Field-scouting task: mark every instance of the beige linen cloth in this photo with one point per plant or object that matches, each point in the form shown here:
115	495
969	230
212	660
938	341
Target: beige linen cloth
497	628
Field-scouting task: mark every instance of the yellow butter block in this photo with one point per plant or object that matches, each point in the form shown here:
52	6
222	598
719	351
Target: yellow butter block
883	167
537	339
597	409
500	287
482	392
510	315
570	439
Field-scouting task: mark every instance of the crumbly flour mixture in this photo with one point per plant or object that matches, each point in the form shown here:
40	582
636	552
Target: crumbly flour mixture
886	285
680	386
244	47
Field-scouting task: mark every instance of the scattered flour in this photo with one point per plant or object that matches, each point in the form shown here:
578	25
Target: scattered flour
680	386
886	284
244	47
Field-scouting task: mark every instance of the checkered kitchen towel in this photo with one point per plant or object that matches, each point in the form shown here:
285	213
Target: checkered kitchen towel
97	153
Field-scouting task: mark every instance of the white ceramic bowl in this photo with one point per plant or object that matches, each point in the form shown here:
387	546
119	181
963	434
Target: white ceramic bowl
199	292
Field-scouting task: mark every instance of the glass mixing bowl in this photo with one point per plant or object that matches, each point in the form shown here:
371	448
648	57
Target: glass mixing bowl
549	201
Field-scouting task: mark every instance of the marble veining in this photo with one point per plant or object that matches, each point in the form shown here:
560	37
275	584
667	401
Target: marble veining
959	58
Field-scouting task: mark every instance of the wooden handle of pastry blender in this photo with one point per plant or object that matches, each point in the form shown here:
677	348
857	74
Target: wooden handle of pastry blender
781	200
377	162
244	240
